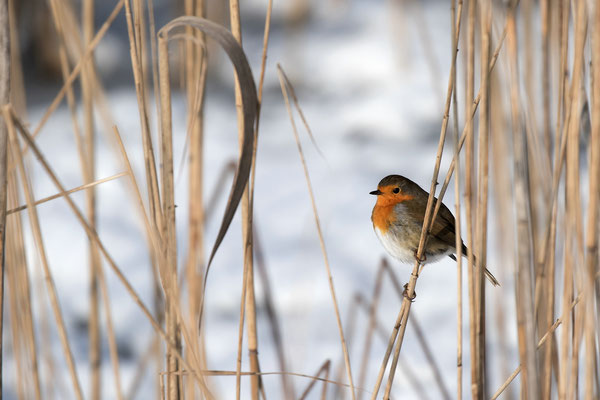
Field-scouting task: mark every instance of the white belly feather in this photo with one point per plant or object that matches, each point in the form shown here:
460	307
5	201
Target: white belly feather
390	243
406	254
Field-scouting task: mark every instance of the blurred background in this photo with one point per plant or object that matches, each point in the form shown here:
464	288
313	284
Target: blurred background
371	78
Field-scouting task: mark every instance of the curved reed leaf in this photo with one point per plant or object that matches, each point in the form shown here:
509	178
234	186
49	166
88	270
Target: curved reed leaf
249	105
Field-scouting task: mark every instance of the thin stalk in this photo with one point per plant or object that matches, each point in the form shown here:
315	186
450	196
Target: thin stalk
524	240
74	190
540	343
21	309
458	245
371	325
196	63
470	182
37	234
592	232
78	68
410	291
4	99
27	136
88	169
248	291
282	81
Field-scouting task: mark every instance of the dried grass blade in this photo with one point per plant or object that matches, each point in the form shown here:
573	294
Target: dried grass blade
271	312
427	222
540	343
92	233
4	99
70	191
324	369
37	234
282	81
592	233
77	69
249	104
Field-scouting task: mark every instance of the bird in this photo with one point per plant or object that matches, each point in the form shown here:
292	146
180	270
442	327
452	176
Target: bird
398	218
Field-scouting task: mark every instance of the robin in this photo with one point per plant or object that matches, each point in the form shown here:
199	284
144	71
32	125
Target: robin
398	220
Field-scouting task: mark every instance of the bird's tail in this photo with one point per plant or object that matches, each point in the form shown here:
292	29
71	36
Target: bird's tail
488	274
491	278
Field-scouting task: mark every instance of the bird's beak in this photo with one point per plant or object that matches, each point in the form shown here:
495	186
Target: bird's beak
376	192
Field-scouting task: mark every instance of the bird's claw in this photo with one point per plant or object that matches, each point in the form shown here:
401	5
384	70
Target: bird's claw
420	260
405	294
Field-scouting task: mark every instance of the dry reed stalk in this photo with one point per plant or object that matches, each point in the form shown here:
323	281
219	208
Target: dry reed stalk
248	230
269	373
323	370
546	312
240	63
270	310
4	99
78	67
249	103
524	238
17	276
470	188
427	222
158	303
485	20
437	373
547	335
546	27
574	240
112	342
55	8
248	292
17	92
167	231
17	348
37	234
78	214
153	237
284	83
349	332
85	146
504	225
547	250
458	245
592	386
70	191
142	366
24	344
88	169
196	63
405	368
149	158
371	325
435	369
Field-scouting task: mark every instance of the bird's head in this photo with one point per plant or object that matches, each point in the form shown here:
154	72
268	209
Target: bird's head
394	189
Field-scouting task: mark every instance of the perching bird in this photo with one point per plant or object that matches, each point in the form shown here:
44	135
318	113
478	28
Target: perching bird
398	220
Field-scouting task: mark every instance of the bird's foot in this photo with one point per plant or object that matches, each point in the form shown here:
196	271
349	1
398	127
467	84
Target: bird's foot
420	260
405	293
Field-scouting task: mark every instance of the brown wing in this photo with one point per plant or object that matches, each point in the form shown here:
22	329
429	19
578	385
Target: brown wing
444	226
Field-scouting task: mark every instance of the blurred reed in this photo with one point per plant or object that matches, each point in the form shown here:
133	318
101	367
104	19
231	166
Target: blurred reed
526	164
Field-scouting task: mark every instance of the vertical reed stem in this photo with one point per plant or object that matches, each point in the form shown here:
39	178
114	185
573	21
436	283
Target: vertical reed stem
88	169
524	240
4	98
248	295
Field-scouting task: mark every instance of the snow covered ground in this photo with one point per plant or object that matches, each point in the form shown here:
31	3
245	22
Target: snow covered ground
374	105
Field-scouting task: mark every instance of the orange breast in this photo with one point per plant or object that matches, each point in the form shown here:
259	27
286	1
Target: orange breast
382	217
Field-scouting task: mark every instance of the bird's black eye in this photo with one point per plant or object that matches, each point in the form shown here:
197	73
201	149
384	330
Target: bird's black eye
396	190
